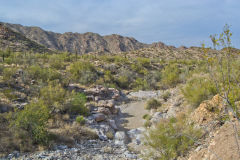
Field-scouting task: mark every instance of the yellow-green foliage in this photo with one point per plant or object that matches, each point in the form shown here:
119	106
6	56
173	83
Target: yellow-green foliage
123	82
9	94
140	84
80	120
83	72
199	89
77	104
32	121
145	62
54	96
56	61
170	75
166	95
152	104
39	73
8	73
171	138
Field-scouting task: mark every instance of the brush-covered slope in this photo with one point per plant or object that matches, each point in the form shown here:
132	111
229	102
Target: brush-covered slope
18	42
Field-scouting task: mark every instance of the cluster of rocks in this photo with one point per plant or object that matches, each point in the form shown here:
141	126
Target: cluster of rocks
102	105
85	150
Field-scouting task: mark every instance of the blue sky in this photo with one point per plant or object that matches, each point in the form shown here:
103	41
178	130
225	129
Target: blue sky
174	22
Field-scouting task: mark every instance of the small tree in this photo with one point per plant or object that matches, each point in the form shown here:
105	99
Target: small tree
223	68
32	120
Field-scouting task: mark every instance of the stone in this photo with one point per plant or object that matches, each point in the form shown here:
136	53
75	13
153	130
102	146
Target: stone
113	124
106	103
99	117
114	110
136	135
158	116
104	110
5	108
62	147
120	138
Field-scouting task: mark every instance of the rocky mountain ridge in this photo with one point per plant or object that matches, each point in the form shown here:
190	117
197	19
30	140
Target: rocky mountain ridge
82	43
18	42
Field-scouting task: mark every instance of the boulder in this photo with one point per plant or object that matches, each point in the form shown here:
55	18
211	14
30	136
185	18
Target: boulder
120	138
113	124
114	110
104	110
136	135
5	108
106	103
99	117
158	116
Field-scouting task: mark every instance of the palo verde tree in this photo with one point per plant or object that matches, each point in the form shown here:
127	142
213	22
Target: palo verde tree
224	69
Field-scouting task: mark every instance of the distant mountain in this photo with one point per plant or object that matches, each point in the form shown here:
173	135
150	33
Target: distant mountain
17	42
81	43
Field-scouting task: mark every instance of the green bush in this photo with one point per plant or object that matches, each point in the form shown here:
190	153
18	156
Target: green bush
56	61
153	78
140	84
39	73
77	104
145	62
54	96
123	82
146	116
32	121
166	95
80	120
198	89
8	74
171	138
170	75
83	72
152	104
9	94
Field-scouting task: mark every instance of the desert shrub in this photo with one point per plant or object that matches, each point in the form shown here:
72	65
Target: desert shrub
8	74
138	68
77	104
125	78
1	68
5	54
153	79
166	95
38	73
145	62
83	72
146	116
171	138
140	84
9	94
56	61
170	75
147	123
123	82
80	120
32	121
54	96
35	72
152	104
198	89
108	77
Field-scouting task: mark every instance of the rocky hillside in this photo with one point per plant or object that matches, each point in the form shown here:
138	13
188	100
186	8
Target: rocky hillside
82	43
17	42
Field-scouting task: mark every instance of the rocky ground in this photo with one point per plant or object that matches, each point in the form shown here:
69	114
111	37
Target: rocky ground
117	119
